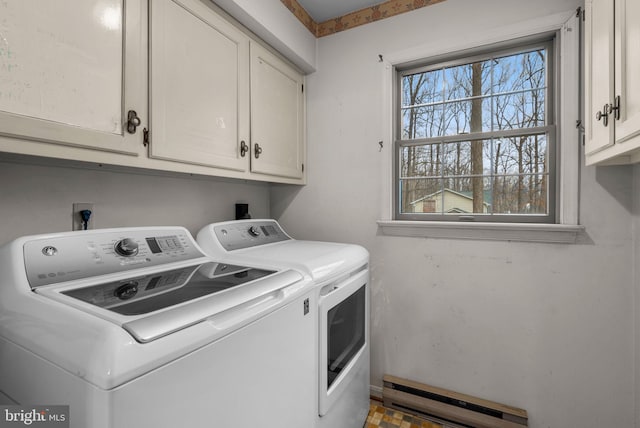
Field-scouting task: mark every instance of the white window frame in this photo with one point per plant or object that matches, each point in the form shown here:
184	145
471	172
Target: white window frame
547	42
567	228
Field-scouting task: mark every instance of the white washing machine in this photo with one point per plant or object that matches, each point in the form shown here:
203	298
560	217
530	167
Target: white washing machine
138	328
340	273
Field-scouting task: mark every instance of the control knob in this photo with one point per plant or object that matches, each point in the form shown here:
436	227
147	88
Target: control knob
126	247
254	231
126	291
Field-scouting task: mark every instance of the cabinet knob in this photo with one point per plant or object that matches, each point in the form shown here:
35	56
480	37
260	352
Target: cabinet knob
243	148
614	108
603	115
257	150
133	121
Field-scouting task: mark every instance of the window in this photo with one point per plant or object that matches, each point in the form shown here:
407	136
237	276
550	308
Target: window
476	136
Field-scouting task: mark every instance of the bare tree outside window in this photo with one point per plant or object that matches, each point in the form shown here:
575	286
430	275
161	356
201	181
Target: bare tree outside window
475	136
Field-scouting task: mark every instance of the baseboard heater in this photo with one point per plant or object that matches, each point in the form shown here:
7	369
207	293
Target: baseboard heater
461	409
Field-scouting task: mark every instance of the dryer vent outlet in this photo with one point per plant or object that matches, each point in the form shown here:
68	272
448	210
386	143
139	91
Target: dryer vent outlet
77	222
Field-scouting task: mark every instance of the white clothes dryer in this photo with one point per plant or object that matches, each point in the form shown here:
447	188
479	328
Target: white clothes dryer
136	327
340	273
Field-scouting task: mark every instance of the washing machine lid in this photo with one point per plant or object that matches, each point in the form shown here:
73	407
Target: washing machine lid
143	294
322	261
155	304
265	242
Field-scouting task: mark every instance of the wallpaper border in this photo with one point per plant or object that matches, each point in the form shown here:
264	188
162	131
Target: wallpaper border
383	10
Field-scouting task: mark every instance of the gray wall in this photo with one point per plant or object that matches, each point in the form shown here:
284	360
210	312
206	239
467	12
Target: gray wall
37	198
545	327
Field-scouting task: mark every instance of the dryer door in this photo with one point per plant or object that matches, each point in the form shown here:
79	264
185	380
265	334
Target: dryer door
344	336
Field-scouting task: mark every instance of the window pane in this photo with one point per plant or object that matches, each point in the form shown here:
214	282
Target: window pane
463	188
519	110
422	122
436	196
458	116
421	161
468	80
519	72
421	196
422	88
524	194
459	160
520	155
504	158
510	176
467	194
506	92
474	197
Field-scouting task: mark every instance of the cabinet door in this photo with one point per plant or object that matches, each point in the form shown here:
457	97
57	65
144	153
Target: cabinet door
627	78
599	73
199	88
63	67
277	116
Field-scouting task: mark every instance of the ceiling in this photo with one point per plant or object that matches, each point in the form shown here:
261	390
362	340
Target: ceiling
322	10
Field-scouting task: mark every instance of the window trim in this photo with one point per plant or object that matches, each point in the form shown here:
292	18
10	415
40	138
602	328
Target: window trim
547	41
567	228
519	232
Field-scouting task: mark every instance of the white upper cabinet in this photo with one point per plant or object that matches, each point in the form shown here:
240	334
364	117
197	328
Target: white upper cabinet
277	116
627	76
72	84
599	73
612	79
199	87
170	85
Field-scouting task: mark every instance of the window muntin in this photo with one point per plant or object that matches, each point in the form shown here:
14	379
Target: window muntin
476	138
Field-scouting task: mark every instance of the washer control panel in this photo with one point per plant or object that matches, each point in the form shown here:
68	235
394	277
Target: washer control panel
69	256
246	234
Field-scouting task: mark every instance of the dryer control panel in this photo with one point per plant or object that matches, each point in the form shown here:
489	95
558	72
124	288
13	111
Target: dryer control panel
248	233
51	259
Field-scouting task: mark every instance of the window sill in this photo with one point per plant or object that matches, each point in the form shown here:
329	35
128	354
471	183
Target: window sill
517	232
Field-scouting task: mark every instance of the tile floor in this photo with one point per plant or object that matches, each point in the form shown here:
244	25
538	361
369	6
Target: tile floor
383	417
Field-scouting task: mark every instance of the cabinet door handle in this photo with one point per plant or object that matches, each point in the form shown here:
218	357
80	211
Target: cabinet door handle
133	121
243	148
615	108
257	150
604	115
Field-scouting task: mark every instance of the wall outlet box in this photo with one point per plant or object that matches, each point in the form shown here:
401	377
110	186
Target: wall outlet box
76	218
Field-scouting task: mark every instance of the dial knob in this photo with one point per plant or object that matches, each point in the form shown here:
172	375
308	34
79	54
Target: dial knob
254	231
126	247
126	291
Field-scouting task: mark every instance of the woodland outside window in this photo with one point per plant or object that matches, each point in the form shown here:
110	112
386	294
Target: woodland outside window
476	137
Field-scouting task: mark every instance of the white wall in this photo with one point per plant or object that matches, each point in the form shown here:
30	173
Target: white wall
545	327
636	268
273	23
38	199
